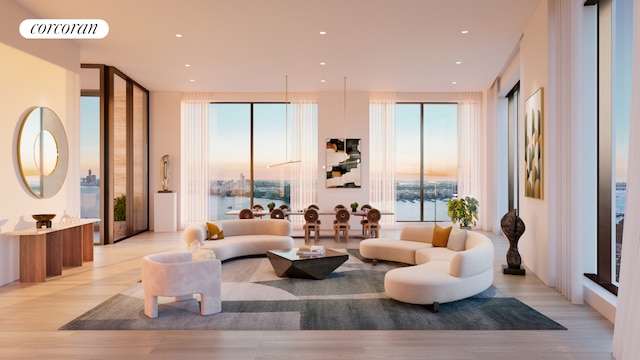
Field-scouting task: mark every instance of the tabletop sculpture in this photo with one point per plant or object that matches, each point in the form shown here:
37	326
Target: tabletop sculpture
164	163
513	227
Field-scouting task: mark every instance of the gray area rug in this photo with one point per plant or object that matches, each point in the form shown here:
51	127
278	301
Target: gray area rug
351	298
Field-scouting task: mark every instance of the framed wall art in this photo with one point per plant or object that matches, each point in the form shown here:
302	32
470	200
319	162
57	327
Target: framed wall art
343	163
533	141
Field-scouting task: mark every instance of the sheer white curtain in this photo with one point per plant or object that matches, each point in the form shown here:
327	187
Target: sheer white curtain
567	130
471	150
382	135
627	326
303	145
490	214
194	159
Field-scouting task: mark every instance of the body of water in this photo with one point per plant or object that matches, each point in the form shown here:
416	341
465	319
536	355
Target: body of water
405	211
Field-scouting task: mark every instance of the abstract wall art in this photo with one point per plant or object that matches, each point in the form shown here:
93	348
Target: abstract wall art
533	149
343	163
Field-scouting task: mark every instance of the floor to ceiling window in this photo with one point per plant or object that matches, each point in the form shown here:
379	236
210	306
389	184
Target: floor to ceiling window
114	152
614	39
513	172
90	200
246	140
426	160
621	106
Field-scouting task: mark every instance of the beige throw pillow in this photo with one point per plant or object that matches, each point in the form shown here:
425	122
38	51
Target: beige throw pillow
457	240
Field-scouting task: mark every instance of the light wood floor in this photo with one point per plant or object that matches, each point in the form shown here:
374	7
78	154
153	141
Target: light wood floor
30	315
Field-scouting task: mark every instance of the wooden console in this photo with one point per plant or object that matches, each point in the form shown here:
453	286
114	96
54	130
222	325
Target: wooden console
45	252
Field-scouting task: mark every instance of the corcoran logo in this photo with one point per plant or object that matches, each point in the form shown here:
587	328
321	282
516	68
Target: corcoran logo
64	29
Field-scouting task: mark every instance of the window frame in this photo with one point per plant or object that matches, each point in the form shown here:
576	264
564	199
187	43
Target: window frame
422	181
606	181
252	174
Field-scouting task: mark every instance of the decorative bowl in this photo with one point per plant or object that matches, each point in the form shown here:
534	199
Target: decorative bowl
43	217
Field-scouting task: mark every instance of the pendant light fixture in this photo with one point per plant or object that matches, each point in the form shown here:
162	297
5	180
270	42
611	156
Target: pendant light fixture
344	120
286	116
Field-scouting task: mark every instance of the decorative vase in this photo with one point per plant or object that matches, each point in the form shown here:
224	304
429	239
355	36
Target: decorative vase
119	229
513	228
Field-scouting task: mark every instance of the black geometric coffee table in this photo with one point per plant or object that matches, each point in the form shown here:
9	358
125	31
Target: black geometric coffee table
287	264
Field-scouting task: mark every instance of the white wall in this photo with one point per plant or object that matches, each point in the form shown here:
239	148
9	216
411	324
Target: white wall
332	124
28	81
534	244
164	139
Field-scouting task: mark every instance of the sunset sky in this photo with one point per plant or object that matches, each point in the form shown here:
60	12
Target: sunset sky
231	149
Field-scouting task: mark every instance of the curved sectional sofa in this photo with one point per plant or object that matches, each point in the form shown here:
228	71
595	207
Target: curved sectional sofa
239	237
460	268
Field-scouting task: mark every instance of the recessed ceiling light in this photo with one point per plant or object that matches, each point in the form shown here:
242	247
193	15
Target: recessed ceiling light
323	63
458	62
454	82
192	80
322	81
178	35
464	31
323	33
187	65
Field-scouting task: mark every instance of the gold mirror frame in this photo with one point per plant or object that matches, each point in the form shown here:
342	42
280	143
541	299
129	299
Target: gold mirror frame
43	152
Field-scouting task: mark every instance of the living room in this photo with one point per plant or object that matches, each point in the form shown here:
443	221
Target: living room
47	73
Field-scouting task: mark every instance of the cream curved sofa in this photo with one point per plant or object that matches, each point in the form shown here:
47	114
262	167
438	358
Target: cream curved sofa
439	274
242	237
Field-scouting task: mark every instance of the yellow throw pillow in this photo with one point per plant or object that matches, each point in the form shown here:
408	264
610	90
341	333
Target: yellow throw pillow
215	231
440	236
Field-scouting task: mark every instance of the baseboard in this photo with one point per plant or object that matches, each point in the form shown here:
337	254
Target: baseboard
600	299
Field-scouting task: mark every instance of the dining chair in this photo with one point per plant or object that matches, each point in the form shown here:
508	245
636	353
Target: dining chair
312	224
245	214
316	208
373	224
286	209
364	208
341	224
277	214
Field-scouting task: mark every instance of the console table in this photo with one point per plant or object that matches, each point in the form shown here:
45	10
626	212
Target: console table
45	251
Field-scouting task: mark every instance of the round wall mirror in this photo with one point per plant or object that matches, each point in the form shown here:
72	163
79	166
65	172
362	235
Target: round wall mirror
43	152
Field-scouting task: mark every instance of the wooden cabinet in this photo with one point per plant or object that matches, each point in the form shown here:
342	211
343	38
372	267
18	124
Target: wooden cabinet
45	252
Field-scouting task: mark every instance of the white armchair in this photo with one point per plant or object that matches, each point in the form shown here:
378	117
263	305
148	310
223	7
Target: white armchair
175	274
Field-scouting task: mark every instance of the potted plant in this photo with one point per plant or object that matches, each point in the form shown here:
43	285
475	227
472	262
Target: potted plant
354	206
464	210
271	206
120	216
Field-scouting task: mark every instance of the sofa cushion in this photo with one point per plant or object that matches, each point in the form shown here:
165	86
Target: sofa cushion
422	234
216	231
245	245
476	259
234	227
391	249
440	236
434	254
457	239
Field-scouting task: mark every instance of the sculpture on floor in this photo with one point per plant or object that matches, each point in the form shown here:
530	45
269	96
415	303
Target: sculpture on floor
164	166
513	228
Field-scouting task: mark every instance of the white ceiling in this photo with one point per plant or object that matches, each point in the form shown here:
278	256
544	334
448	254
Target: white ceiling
250	45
